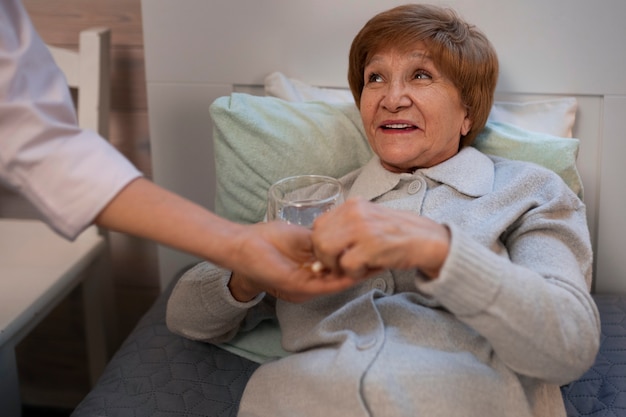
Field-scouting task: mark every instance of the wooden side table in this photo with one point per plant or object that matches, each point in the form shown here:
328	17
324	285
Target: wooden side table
38	268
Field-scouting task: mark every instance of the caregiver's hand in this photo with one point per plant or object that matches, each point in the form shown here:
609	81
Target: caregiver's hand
276	259
359	238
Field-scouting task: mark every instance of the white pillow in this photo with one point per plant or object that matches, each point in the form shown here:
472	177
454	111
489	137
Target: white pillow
554	116
280	86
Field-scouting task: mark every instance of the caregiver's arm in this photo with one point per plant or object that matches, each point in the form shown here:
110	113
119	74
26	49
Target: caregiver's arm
272	253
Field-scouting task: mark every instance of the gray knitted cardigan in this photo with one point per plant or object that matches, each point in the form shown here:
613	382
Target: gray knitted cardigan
508	320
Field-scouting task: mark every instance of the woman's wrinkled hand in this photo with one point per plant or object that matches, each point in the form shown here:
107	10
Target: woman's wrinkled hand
359	238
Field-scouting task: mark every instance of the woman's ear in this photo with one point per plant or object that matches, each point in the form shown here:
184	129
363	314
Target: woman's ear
466	126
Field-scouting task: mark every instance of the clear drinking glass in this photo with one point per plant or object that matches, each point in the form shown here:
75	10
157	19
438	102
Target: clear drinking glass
302	198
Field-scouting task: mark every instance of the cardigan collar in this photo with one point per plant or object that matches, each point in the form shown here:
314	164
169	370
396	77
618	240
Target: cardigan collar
470	172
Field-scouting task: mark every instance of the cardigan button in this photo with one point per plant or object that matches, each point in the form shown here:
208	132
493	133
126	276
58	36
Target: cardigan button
379	284
414	187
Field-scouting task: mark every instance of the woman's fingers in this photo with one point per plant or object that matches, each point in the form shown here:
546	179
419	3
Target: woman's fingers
360	238
332	235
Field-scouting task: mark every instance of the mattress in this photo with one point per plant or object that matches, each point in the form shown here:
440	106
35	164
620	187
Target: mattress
157	373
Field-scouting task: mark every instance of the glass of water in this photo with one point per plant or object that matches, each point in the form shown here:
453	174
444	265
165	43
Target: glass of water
302	198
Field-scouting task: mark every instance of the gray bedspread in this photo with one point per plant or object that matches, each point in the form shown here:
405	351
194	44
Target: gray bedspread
156	373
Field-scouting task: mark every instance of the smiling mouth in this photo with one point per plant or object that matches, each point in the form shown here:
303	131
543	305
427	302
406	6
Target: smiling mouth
399	126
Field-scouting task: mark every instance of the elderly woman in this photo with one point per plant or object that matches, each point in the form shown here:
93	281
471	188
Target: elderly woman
475	297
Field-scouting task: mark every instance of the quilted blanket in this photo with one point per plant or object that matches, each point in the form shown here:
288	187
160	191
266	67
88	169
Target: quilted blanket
156	373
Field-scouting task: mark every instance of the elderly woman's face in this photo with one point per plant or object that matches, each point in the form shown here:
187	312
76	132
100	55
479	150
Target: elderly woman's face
413	115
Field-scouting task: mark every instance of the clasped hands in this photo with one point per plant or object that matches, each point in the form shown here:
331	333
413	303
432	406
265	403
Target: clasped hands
353	241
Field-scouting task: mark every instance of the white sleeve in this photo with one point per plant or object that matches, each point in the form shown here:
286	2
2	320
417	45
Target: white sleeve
68	173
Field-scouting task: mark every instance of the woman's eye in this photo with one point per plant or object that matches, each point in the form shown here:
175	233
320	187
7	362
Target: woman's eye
422	75
374	78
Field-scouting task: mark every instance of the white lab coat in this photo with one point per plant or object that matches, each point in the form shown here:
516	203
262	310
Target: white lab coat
68	173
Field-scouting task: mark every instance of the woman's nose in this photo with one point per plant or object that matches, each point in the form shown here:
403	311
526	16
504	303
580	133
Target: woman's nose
396	97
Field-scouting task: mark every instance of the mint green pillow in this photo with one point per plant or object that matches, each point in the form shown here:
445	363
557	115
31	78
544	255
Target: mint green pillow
553	152
259	140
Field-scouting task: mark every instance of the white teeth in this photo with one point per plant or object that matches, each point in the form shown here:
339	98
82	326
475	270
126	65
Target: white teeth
397	126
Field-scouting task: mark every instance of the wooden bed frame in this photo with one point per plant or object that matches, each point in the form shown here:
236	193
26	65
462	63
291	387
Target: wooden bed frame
198	50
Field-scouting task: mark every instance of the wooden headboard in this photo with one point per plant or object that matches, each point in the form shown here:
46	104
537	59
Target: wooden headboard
198	50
